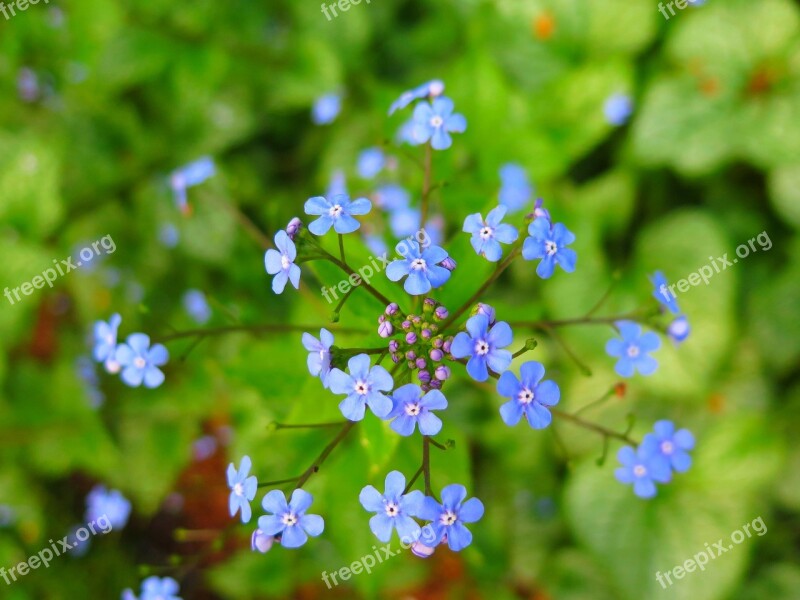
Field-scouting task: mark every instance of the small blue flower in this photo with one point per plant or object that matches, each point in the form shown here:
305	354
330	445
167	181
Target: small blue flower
448	518
326	108
549	244
410	410
196	305
393	509
319	354
280	263
422	268
662	294
363	387
405	133
515	190
431	88
632	349
642	467
391	197
370	163
672	445
528	396
483	347
679	329
105	342
337	185
337	213
140	361
168	235
290	520
243	488
157	588
184	177
112	505
86	370
617	109
376	245
487	235
435	122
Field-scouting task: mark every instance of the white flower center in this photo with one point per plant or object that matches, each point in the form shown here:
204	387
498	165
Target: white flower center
436	121
550	247
413	409
238	489
418	264
289	519
633	351
322	354
486	232
525	396
335	210
448	518
392	509
361	387
667	447
285	262
639	471
139	362
481	347
113	367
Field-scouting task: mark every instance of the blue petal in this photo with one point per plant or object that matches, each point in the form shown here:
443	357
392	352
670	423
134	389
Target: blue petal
301	501
381	525
681	461
461	346
458	537
321	226
433	255
379	404
413	502
547	393
627	456
477	326
437	276
615	347
293	537
456	124
313	525
407	528
294	276
317	206
417	284
476	367
371	499
492	250
531	373
380	379
353	407
471	511
561	235
397	269
407	393
132	376
430	510
500	335
274	502
394	485
403	424
340	382
545	268
649	342
158	355
511	412
434	400
506	234
498	360
279	282
647	365
429	423
345	224
473	223
644	488
359	366
684	439
360	206
270	524
538	416
453	495
153	377
441	139
532	249
624	367
566	257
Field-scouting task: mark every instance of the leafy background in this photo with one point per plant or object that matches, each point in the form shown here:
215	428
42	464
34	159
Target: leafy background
710	158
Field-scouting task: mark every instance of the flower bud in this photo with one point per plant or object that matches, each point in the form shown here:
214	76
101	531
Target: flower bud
394	346
294	226
424	376
428	305
416	320
449	264
441	313
385	329
381	319
426	334
411	355
411	338
442	372
435	384
485	309
392	309
261	542
406	325
446	345
436	355
438	342
395	358
421	363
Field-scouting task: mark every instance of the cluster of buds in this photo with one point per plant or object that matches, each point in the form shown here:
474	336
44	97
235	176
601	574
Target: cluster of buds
416	340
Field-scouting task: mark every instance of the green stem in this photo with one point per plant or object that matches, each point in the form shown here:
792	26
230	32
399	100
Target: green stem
347	269
413	479
278	426
277	482
325	453
592	426
341	247
264	327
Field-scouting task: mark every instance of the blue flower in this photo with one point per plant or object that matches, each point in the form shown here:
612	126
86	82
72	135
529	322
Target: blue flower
672	445
101	502
448	518
168	235
393	509
195	303
410	410
549	244
483	347
392	197
140	362
319	357
405	133
363	387
515	190
632	349
157	588
642	468
337	213
431	88
105	342
487	235
291	521
617	109
528	396
243	488
184	177
326	108
337	185
280	263
370	162
679	329
422	268
436	122
662	293
376	245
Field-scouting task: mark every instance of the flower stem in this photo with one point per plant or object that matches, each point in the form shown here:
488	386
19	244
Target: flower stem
413	479
324	454
278	482
341	247
605	432
529	345
348	269
277	426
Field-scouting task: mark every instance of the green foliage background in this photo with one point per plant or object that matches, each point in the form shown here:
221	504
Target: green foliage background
710	159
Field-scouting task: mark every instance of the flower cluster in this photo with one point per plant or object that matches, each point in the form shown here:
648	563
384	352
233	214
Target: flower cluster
660	453
155	588
135	359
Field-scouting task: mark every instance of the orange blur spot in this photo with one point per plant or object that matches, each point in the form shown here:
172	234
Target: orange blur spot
543	26
716	403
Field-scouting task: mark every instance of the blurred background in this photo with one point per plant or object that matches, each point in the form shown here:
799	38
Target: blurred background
659	142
